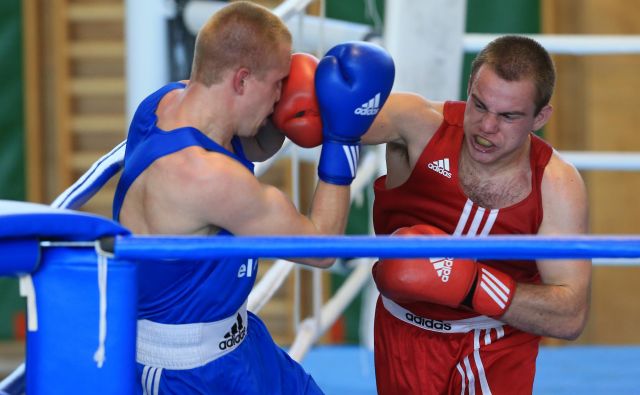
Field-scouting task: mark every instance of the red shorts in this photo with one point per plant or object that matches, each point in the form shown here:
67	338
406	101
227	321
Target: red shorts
417	355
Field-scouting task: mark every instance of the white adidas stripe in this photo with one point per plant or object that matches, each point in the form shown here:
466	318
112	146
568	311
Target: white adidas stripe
492	295
442	164
464	217
493	214
374	102
477	220
438	265
471	378
484	384
487	337
463	379
150	380
497	281
352	153
475	224
465	366
93	179
494	288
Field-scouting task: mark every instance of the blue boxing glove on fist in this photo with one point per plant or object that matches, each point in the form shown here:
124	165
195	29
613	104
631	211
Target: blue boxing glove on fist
352	82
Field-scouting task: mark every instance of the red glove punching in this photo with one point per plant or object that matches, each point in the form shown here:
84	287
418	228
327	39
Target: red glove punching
446	281
297	113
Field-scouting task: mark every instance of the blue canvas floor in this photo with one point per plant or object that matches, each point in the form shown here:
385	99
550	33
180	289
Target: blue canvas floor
340	370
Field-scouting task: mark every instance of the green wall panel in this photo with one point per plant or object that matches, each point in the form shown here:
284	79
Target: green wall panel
352	10
12	157
499	16
12	152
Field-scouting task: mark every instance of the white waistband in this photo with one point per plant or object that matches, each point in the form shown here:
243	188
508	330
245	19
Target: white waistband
442	326
188	346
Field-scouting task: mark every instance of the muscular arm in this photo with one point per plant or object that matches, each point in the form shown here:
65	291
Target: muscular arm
559	306
406	123
232	198
406	119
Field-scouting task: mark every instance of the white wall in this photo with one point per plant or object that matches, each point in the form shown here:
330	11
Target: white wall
425	38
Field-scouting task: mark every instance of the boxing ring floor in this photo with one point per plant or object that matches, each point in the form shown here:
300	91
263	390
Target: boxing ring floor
340	370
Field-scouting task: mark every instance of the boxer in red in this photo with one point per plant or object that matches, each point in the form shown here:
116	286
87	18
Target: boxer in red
475	168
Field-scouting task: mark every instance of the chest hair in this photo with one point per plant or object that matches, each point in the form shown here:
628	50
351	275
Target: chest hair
499	191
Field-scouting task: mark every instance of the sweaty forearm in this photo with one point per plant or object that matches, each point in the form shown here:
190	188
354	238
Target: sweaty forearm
548	310
328	215
330	208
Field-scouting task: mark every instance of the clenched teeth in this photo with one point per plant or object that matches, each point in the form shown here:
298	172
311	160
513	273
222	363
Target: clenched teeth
483	142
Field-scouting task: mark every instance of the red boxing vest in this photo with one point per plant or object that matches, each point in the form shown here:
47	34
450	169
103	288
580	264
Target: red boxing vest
432	195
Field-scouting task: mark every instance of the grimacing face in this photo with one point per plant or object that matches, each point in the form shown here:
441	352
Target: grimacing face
499	117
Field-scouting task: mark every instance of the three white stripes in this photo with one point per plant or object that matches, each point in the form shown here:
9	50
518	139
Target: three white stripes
374	102
488	282
494	288
476	221
442	163
491	285
467	377
151	380
352	153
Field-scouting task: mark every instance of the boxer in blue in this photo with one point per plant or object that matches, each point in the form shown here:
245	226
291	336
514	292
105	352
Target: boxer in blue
188	170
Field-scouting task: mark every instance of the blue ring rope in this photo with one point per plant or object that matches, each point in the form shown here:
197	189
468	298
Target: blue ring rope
487	247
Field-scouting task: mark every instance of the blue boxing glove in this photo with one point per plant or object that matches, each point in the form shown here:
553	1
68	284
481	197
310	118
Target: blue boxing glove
352	82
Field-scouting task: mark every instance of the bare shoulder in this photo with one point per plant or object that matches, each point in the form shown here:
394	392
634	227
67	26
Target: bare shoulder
196	180
561	177
418	118
564	198
201	172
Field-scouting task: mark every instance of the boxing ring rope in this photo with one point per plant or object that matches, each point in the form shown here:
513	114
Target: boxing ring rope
311	329
567	44
611	161
485	247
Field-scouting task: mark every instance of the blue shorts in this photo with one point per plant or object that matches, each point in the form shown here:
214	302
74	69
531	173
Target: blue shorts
257	366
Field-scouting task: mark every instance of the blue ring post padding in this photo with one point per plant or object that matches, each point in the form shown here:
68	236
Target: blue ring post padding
67	295
19	256
60	353
20	219
487	247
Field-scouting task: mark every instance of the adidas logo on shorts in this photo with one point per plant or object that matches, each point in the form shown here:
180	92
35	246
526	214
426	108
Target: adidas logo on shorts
441	166
369	108
443	267
428	322
235	335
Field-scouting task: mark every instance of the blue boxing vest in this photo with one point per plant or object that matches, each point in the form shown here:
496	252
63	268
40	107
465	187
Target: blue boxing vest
181	292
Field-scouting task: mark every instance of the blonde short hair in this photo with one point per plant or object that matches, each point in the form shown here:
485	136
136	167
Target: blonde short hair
242	34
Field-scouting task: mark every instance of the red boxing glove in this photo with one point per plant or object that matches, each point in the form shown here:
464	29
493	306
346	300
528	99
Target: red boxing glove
446	281
297	113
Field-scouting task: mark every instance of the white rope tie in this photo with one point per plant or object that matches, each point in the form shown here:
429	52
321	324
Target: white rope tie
28	291
103	258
